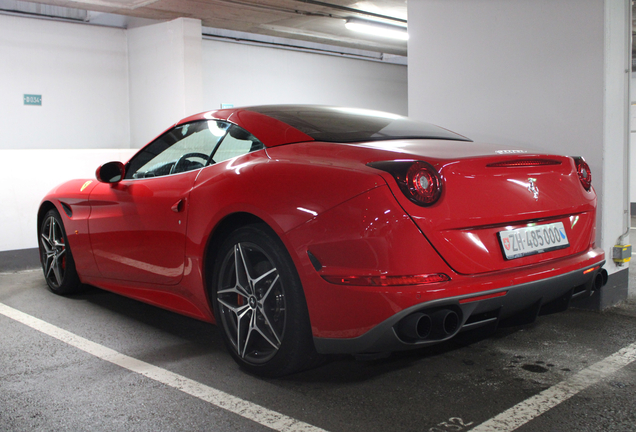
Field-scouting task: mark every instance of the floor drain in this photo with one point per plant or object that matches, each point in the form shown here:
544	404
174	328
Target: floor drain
534	368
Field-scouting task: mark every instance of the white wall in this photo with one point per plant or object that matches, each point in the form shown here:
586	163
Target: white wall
30	175
252	75
165	76
524	73
81	72
101	86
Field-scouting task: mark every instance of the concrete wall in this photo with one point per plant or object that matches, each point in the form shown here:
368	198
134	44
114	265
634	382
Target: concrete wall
29	175
510	72
104	88
251	75
632	181
81	72
165	76
524	73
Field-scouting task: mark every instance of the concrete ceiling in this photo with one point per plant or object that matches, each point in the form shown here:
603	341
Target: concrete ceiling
309	20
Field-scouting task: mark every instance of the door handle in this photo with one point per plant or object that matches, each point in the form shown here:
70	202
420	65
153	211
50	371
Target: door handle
178	206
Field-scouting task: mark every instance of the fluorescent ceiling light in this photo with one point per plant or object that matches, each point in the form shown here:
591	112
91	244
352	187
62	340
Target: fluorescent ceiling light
377	28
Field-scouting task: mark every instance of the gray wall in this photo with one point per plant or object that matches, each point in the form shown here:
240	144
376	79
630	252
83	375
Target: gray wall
552	75
517	72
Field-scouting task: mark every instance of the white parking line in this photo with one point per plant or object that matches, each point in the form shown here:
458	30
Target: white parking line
507	421
233	404
527	410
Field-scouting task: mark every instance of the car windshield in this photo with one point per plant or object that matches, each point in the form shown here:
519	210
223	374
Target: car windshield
333	124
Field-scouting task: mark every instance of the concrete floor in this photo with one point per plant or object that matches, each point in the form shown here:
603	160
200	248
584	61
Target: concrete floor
46	384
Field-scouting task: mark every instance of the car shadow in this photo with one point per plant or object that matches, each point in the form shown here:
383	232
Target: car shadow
181	326
351	369
204	338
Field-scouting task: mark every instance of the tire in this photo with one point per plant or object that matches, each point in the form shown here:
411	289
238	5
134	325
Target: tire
259	304
55	255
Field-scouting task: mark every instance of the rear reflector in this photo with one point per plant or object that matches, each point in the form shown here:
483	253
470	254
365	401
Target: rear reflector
387	280
484	297
590	270
524	163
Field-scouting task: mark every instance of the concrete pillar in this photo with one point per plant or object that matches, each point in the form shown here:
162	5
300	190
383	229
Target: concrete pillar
551	75
165	79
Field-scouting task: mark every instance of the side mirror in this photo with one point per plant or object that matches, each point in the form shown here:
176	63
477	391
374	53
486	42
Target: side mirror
111	172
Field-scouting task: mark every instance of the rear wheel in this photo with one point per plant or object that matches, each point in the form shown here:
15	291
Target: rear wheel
55	255
259	304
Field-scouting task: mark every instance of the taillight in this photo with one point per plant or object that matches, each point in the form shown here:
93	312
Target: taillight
583	170
424	183
418	180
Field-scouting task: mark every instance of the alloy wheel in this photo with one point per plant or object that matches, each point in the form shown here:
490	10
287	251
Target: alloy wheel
54	252
251	300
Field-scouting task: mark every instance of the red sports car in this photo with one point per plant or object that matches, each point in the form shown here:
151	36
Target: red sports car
307	230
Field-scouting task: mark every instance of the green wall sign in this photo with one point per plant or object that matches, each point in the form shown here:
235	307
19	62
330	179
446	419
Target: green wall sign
31	99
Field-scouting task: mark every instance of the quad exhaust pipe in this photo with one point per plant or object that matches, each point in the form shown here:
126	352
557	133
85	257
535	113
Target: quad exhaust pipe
429	325
441	323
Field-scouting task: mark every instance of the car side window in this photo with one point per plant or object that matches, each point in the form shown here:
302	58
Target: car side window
237	142
183	148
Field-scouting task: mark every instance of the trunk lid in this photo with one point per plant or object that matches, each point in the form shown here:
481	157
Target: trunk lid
484	194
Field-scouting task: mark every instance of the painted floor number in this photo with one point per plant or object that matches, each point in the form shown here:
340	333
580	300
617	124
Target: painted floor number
453	424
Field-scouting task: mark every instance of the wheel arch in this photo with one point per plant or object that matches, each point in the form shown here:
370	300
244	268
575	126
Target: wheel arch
219	233
44	208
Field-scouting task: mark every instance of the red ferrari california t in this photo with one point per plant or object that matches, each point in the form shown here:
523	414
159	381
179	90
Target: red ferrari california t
309	230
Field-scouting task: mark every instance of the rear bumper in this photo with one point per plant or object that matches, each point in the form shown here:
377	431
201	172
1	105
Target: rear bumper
522	302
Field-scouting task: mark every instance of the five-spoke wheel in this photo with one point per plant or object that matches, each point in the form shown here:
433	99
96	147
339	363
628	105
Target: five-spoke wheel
55	255
259	304
252	303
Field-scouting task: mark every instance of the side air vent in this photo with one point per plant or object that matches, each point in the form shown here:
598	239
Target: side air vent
524	163
67	209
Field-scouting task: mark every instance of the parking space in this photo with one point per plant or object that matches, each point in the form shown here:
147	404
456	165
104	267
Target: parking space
300	168
49	384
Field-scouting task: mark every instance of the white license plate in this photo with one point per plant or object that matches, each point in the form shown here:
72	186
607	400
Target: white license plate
532	240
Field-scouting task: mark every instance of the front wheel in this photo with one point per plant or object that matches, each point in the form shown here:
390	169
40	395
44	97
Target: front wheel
259	304
55	255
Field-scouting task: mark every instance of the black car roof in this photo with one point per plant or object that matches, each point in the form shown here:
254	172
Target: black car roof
336	124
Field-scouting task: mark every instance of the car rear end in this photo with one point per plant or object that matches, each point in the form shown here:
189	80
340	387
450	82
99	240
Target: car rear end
503	236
